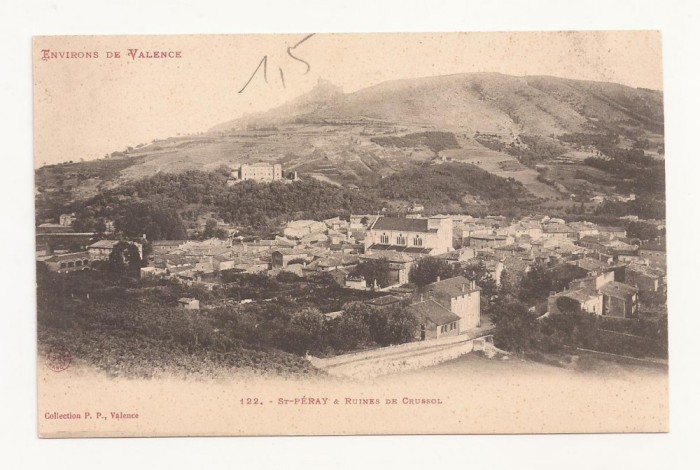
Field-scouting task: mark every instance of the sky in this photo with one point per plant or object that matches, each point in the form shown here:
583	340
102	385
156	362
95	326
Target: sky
86	107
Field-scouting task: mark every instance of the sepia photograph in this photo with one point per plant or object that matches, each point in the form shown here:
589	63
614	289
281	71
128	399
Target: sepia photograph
350	234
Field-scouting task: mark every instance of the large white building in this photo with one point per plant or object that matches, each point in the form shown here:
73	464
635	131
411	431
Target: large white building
257	172
430	236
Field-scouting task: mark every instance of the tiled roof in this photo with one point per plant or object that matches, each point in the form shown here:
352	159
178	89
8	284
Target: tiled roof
434	312
653	246
558	228
590	264
338	260
104	244
453	255
646	270
454	287
582	294
399	249
67	257
168	242
392	256
618	289
583	226
384	300
488	237
592	239
401	225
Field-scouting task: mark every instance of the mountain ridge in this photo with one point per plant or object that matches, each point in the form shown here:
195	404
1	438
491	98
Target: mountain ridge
483	101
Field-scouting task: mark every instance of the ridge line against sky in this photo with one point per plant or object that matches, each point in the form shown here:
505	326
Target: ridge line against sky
84	109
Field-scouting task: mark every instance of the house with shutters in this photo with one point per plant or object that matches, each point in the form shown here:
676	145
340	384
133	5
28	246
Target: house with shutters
459	296
435	321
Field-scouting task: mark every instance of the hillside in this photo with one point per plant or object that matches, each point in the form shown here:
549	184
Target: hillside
159	208
484	102
538	131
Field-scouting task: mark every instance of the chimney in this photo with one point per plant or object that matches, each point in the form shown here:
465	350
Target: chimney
473	285
438	279
463	287
421	297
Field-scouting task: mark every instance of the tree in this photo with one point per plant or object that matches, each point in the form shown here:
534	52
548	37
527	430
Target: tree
401	326
156	222
642	230
480	274
574	328
210	228
221	234
508	284
567	305
147	250
348	332
428	269
89	223
124	259
536	285
305	332
516	328
386	325
373	270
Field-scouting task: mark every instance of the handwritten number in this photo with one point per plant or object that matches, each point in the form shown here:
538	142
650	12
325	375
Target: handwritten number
282	77
263	64
290	49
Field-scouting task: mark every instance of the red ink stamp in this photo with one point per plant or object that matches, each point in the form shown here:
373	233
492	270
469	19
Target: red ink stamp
58	358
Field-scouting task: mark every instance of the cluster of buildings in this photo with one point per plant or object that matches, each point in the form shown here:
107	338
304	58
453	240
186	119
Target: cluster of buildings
63	261
608	270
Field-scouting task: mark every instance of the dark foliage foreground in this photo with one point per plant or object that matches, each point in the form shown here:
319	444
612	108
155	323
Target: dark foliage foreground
129	327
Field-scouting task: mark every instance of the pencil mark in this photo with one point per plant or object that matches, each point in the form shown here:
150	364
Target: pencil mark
263	64
290	49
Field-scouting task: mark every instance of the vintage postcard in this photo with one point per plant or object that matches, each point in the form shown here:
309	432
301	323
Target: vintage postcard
304	234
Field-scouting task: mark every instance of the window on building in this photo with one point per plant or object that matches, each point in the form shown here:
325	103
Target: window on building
417	241
384	239
62	265
401	240
78	263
